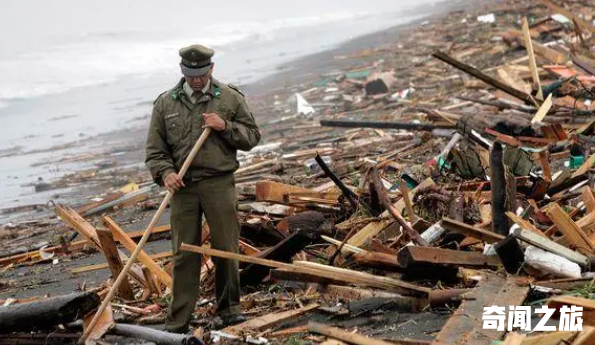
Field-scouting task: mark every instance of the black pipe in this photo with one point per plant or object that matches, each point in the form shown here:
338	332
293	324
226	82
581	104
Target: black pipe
384	125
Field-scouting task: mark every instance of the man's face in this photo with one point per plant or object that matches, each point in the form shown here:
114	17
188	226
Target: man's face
197	83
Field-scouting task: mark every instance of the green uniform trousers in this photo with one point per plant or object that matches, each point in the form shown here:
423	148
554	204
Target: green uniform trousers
216	198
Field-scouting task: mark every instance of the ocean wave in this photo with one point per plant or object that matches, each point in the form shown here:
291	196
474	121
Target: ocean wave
105	57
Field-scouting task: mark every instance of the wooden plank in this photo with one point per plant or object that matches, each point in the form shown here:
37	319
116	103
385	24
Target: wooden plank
377	260
285	275
532	63
484	77
352	338
413	255
584	168
487	236
525	224
78	223
106	239
587	304
550	246
358	339
514	339
154	287
588	198
408	201
545	165
586	337
143	257
554	338
564	283
105	322
105	265
552	55
269	320
573	234
491	290
276	192
543	109
346	275
587	225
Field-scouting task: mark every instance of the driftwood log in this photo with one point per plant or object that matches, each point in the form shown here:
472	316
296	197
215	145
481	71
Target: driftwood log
46	314
304	228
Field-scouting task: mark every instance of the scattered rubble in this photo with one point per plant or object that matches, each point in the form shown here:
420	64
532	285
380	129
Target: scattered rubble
433	176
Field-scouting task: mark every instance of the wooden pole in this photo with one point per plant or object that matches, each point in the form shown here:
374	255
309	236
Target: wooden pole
532	64
203	137
113	260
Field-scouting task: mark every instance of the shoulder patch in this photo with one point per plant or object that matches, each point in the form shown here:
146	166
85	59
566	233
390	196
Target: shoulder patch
236	89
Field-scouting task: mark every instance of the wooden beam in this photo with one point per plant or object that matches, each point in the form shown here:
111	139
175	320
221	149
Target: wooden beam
408	203
484	77
106	239
413	255
532	63
550	246
542	111
514	339
587	304
487	236
525	224
154	287
573	234
377	260
269	320
100	266
352	338
586	337
280	274
276	192
78	223
346	275
554	338
588	198
491	290
106	321
143	257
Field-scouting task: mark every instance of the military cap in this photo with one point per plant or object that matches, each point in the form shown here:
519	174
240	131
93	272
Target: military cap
196	60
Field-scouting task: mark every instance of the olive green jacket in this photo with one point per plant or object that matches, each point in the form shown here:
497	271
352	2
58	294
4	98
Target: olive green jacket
176	124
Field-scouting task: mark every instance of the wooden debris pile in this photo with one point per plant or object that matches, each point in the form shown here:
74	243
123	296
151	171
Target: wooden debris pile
446	172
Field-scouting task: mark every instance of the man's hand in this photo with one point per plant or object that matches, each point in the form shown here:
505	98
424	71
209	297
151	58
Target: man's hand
214	121
173	182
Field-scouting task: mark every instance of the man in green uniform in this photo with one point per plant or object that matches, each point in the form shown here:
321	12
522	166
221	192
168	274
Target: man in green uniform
179	117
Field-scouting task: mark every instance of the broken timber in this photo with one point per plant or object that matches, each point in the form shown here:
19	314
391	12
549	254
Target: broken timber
142	256
346	275
492	289
413	255
484	77
551	246
269	320
110	251
452	225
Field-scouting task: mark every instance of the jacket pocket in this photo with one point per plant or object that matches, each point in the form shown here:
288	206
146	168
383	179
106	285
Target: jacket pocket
173	128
